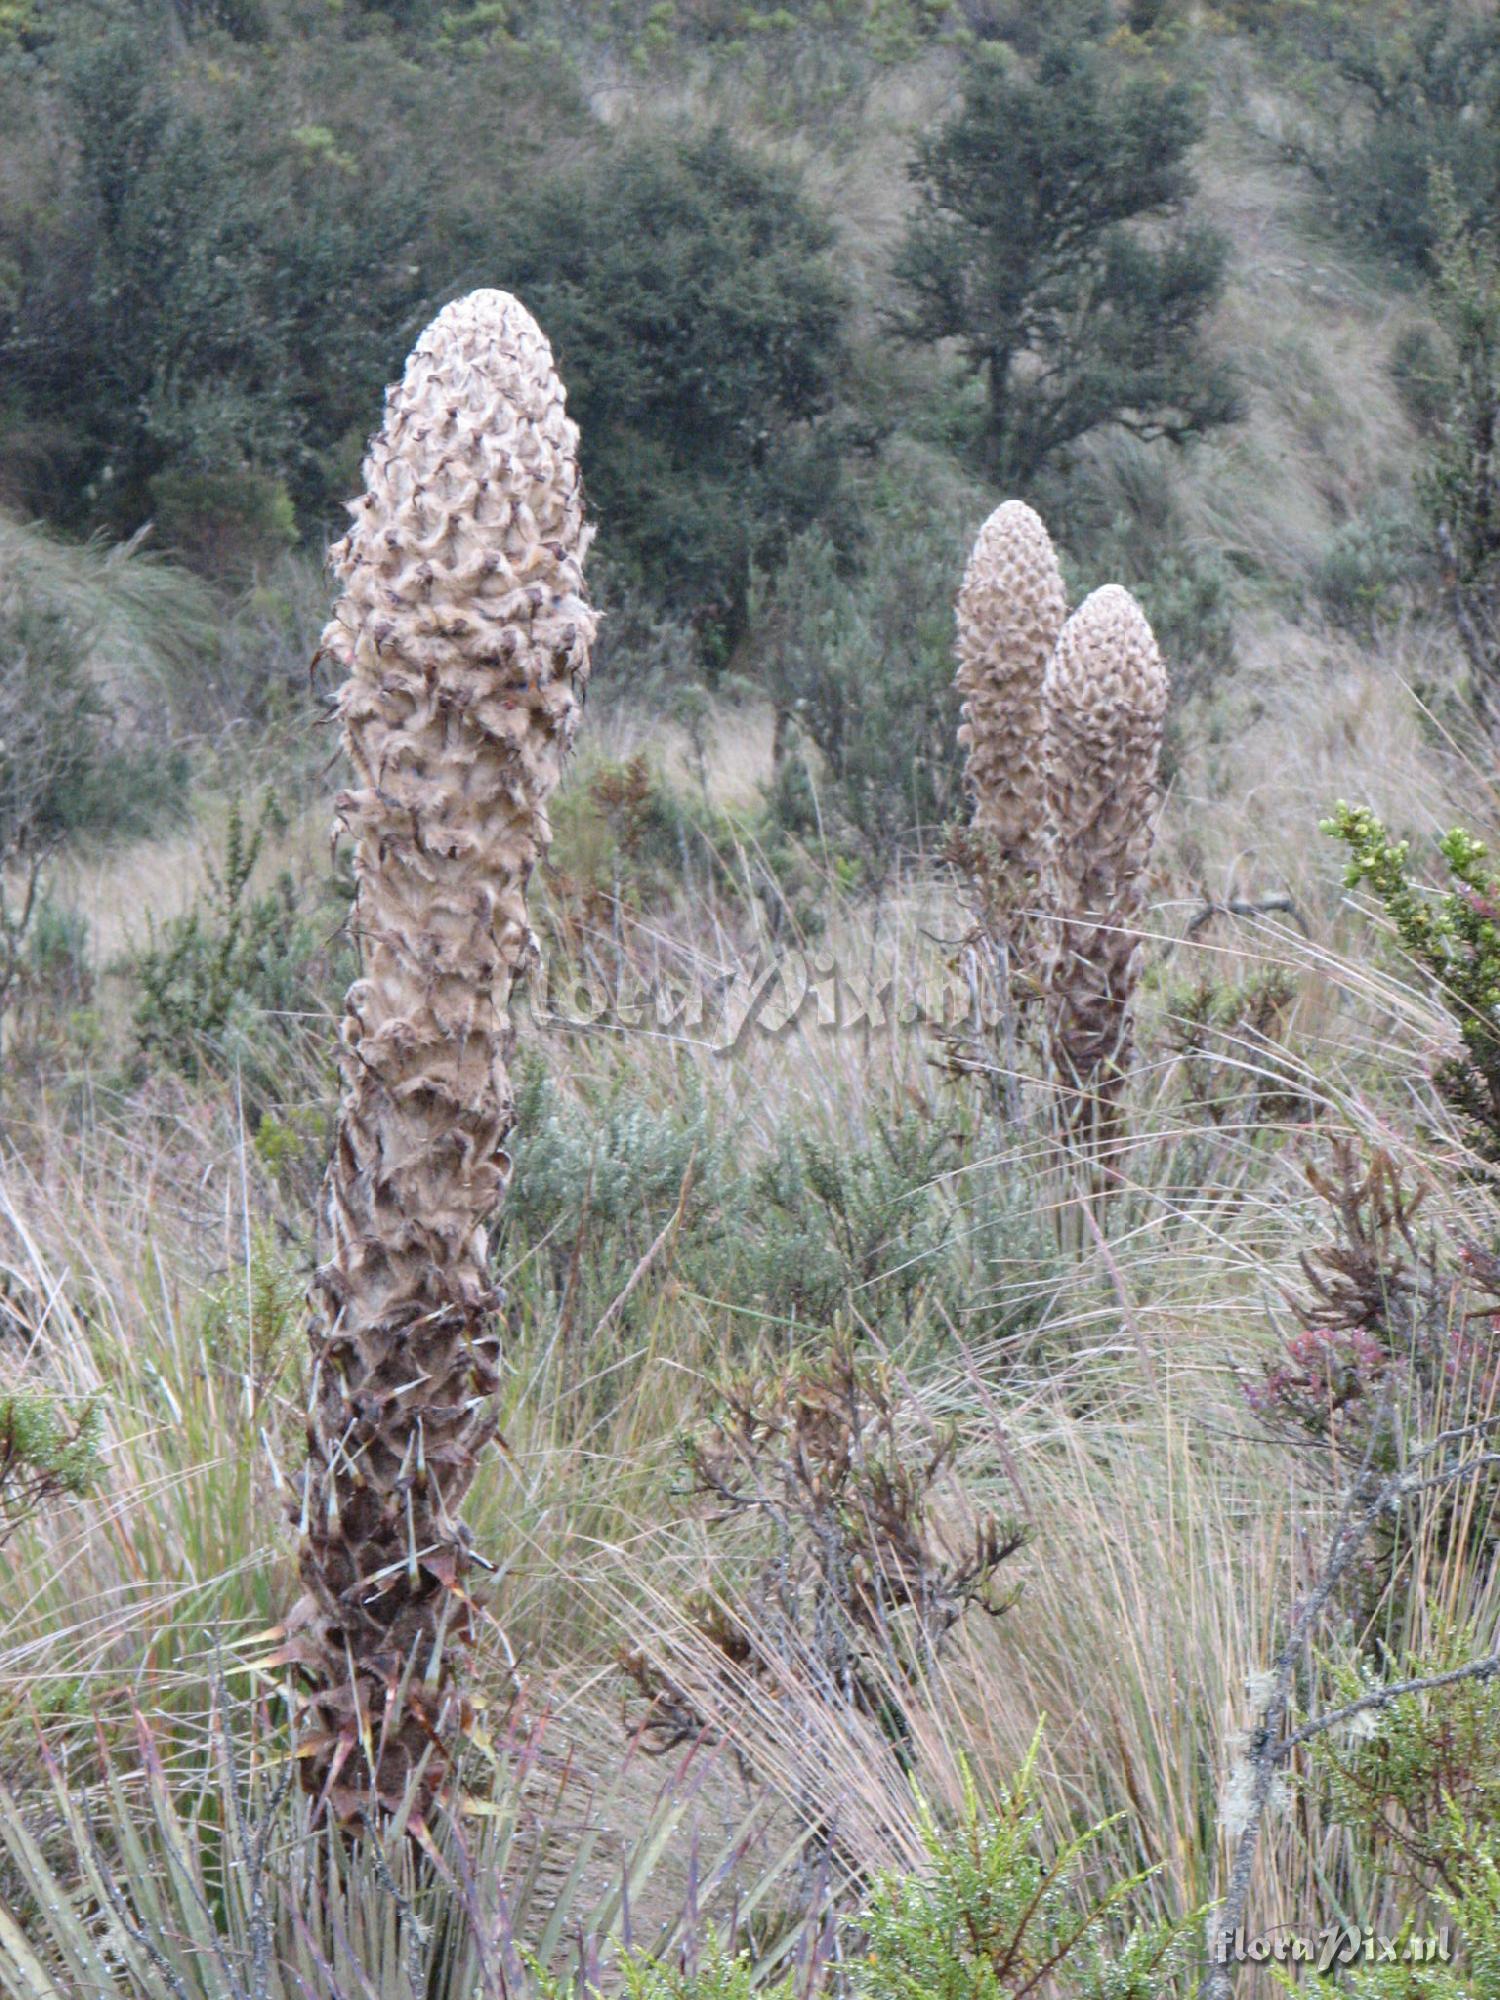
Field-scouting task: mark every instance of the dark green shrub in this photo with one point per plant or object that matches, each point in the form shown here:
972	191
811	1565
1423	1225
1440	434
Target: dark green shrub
1408	1778
198	317
49	1450
1460	484
1024	251
225	519
698	319
830	1228
1420	372
1423	86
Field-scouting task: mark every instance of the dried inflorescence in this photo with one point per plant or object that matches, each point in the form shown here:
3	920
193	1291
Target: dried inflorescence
465	636
1105	701
1011	608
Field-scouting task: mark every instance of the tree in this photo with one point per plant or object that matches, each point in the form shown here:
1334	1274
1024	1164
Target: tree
197	321
698	320
1022	253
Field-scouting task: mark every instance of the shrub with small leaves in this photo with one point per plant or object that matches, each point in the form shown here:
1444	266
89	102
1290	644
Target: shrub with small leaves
713	1975
859	1560
1397	1342
1454	936
1382	1312
49	1449
231	960
1409	1777
1471	1909
838	1225
996	1914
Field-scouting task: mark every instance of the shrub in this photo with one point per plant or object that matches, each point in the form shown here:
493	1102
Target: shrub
698	317
1453	936
596	1181
199	319
1416	1782
227	520
1423	84
996	1914
48	1449
1023	252
714	1975
836	1227
210	976
1367	570
1413	1777
859	654
1396	1343
859	1560
1460	483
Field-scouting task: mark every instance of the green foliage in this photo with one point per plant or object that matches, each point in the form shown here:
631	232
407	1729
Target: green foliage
201	315
1023	252
49	1449
1367	570
830	1227
596	1181
815	1232
859	653
1422	87
697	317
1455	937
716	1976
996	1913
1413	1778
1467	1909
232	958
253	1322
223	521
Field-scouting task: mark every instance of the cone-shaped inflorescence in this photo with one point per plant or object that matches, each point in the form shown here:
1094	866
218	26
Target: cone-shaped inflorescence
1105	700
1011	608
465	637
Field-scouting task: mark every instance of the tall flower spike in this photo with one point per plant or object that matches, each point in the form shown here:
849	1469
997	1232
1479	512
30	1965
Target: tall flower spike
1011	607
465	636
1105	699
